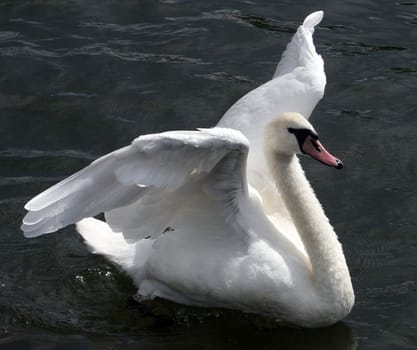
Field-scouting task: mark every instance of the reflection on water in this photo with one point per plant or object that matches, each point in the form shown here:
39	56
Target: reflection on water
81	79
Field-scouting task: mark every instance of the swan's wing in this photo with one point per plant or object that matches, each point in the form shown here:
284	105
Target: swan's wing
151	164
298	85
224	180
300	50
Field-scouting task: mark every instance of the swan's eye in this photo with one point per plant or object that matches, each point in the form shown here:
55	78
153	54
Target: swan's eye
314	136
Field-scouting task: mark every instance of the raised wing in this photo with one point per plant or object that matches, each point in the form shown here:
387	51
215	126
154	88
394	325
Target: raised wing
152	164
300	50
297	86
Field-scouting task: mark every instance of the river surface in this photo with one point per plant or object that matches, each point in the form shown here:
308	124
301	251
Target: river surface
79	79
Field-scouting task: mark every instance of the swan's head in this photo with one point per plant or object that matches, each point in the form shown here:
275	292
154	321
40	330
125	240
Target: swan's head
291	133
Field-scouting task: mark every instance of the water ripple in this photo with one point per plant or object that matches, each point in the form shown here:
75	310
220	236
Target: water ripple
14	51
74	94
359	48
370	48
409	18
224	14
269	24
409	3
127	28
393	289
165	30
362	114
371	255
402	190
224	76
140	57
22	20
7	101
336	27
33	153
98	50
237	17
406	70
4	36
5	180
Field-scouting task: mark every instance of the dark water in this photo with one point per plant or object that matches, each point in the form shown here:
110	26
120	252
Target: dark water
81	78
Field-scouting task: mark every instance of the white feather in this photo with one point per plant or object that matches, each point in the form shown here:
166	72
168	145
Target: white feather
130	177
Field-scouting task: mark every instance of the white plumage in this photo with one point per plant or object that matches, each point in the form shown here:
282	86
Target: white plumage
220	217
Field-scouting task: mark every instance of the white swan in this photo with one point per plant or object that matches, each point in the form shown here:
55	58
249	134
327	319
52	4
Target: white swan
183	221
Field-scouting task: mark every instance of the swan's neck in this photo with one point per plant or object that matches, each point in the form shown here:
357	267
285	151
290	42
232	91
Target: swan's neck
330	272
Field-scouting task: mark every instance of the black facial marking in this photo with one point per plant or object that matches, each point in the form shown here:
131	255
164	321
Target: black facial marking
301	136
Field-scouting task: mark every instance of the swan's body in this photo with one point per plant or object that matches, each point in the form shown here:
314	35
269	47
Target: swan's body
219	217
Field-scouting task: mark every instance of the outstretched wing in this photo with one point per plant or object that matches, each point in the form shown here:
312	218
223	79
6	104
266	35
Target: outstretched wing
151	164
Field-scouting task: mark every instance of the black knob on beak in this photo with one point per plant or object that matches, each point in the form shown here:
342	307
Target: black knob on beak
339	164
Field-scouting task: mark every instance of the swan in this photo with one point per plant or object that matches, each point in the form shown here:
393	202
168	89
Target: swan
194	217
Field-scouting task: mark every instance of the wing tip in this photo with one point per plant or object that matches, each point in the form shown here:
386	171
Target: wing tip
38	202
313	19
27	233
29	206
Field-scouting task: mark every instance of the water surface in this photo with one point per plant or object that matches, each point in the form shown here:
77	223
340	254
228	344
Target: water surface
79	79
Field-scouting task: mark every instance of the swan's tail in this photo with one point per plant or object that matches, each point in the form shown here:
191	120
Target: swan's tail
102	240
300	50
